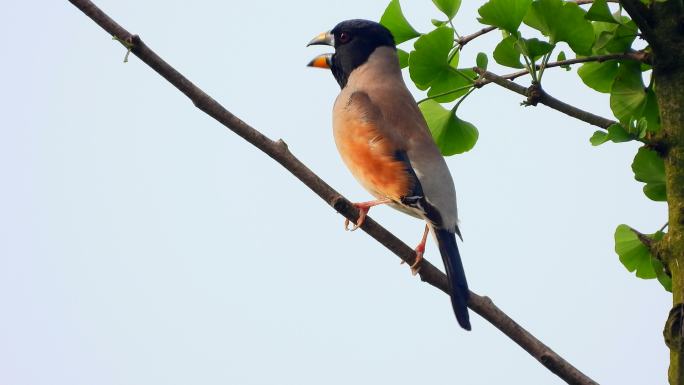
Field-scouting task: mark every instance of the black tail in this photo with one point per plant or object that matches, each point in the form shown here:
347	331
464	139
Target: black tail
454	270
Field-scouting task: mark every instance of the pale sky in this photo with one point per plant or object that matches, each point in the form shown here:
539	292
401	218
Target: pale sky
143	243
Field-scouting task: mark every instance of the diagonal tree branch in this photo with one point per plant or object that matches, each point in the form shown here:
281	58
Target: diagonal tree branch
535	94
640	56
279	152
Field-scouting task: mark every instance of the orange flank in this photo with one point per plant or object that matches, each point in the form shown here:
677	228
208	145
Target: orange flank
370	158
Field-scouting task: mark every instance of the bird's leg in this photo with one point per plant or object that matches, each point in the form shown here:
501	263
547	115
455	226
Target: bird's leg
364	207
420	250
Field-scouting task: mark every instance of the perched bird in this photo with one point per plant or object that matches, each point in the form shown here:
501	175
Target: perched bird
386	144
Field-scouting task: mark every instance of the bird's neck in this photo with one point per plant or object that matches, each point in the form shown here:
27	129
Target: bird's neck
381	65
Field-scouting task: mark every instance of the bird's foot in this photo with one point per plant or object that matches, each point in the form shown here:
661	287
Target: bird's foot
415	267
362	217
420	251
363	207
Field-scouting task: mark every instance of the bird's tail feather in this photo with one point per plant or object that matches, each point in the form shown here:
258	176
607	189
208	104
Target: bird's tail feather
446	241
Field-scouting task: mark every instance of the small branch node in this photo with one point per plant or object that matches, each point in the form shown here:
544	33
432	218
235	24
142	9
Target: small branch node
546	358
534	93
127	43
487	300
282	146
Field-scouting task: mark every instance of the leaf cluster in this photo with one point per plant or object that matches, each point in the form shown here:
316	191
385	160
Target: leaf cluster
591	33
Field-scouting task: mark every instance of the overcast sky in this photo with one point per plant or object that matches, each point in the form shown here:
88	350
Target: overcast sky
143	243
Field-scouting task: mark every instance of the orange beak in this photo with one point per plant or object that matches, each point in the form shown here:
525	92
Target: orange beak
321	61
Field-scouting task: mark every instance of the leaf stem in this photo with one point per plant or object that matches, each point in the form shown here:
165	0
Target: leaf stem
472	81
453	110
664	227
451	23
531	69
545	61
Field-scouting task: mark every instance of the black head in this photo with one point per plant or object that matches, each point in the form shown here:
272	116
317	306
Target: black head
354	41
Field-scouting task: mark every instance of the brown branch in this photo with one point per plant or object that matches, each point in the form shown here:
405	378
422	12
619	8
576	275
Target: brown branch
640	56
279	152
535	94
463	40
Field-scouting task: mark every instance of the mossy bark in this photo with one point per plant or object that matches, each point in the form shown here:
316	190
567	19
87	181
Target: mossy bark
664	30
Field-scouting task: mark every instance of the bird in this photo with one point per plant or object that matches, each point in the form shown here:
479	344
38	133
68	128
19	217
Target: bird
384	140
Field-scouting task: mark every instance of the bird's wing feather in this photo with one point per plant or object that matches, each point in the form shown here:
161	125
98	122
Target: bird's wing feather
385	146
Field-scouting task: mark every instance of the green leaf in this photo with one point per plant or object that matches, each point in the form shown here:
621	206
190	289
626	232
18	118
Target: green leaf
534	48
633	254
403	58
621	39
641	127
656	192
603	33
429	68
507	54
562	21
394	20
438	23
561	57
599	11
599	76
451	80
617	134
429	59
649	168
598	138
455	56
505	14
452	135
482	61
627	95
448	7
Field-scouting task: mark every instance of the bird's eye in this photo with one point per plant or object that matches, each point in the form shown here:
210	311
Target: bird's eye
343	38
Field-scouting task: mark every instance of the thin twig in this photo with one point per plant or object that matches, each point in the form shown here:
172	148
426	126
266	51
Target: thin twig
640	56
536	94
463	40
279	152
